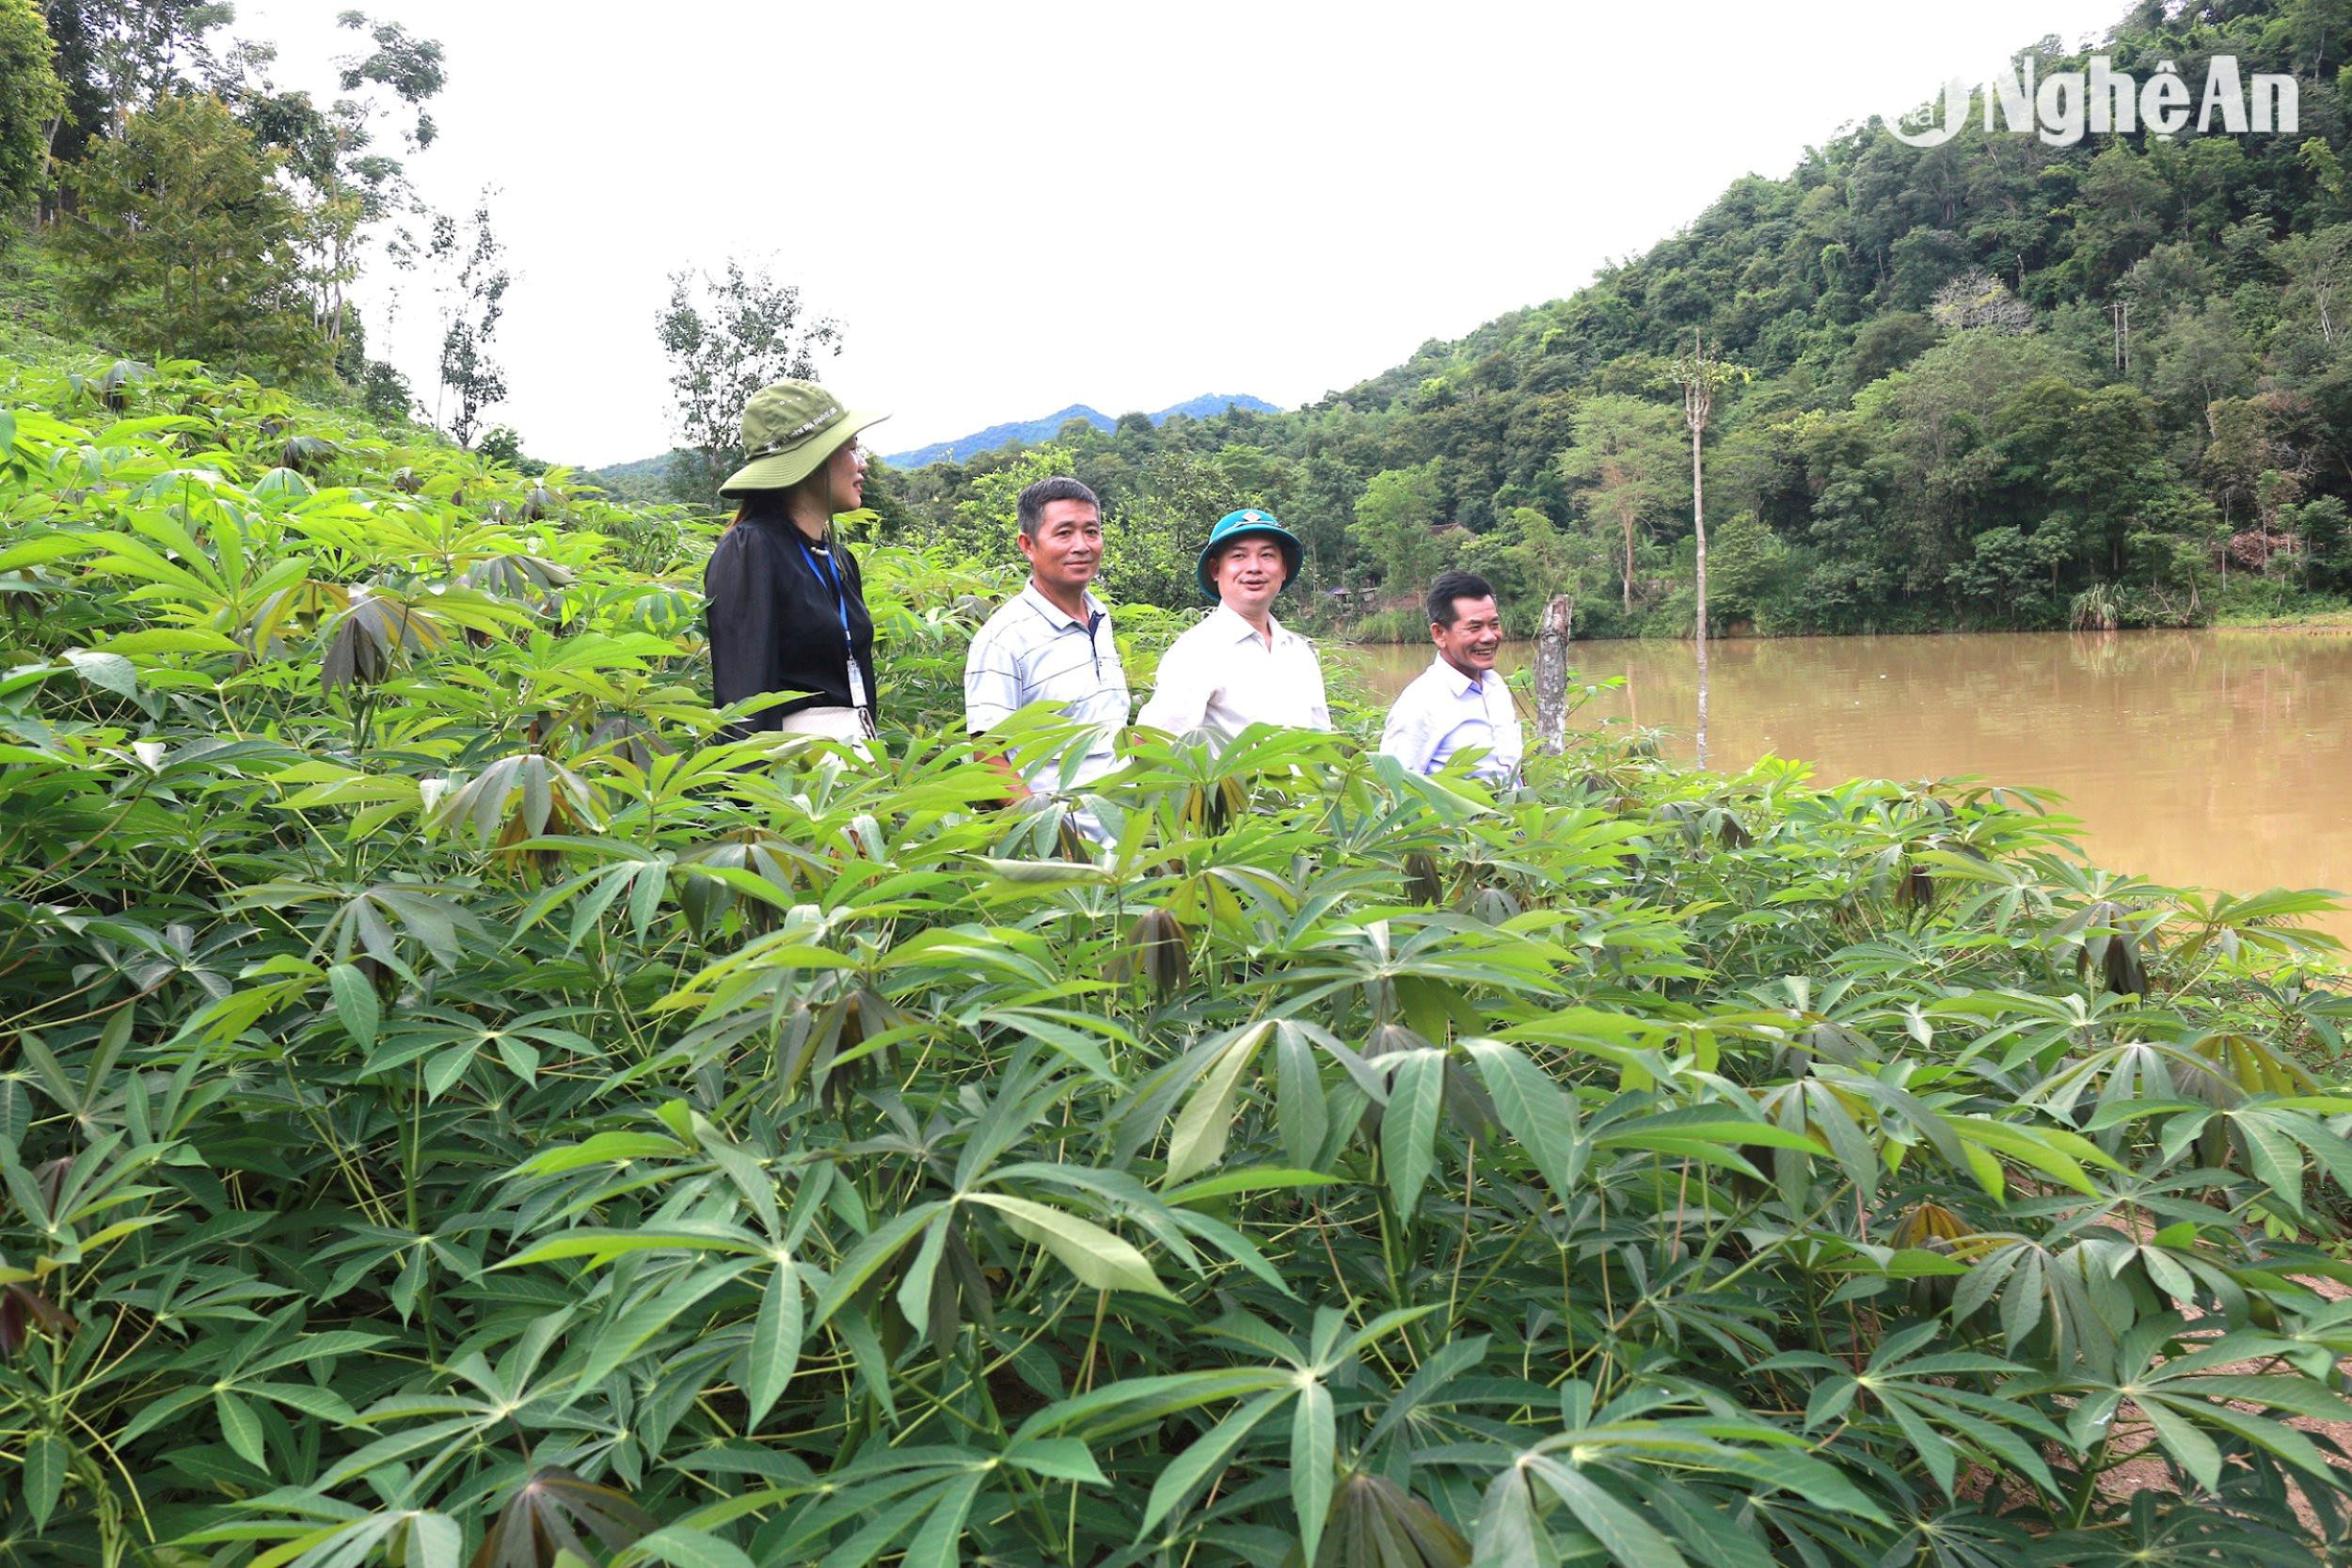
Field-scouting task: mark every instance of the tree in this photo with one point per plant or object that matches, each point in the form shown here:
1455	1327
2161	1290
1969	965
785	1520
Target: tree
2201	358
1886	343
1154	536
186	244
1925	448
2124	206
1977	298
1701	375
473	302
2322	269
1547	561
1396	522
2320	524
1748	560
116	57
352	186
726	338
384	391
1318	508
31	99
503	443
982	528
1622	452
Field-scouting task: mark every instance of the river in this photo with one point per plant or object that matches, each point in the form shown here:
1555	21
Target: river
2210	758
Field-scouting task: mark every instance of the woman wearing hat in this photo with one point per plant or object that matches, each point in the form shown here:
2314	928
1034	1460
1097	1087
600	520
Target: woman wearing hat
787	601
1241	666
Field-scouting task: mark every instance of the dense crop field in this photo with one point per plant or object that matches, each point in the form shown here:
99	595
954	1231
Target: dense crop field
451	1110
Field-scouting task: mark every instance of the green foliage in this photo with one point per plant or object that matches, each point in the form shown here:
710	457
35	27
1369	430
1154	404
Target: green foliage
1529	557
384	391
184	243
31	99
987	523
1748	566
451	1110
1162	527
1396	523
114	56
504	443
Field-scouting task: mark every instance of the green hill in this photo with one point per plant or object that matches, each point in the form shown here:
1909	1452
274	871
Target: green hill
1948	424
643	480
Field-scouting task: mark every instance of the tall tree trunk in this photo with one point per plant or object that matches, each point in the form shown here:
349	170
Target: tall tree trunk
51	206
1625	520
1552	678
1698	523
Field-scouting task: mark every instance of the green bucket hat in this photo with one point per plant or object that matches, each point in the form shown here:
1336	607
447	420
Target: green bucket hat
1248	523
789	429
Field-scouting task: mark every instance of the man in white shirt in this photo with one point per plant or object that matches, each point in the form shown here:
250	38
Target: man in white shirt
1241	666
1459	701
1052	641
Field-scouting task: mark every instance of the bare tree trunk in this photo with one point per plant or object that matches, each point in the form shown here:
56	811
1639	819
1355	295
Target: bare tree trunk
1552	678
1698	401
51	206
1627	522
1698	522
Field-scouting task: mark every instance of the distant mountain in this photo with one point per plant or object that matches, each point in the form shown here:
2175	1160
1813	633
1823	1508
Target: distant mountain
640	481
1028	431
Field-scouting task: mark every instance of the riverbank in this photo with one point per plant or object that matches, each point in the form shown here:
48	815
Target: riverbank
2304	613
2212	758
2336	620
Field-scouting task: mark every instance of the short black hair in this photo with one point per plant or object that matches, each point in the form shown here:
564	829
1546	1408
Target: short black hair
1451	588
1059	487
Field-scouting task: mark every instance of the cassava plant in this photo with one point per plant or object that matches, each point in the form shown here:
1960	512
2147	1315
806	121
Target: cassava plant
452	1112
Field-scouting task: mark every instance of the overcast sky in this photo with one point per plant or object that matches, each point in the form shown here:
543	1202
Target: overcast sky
1013	207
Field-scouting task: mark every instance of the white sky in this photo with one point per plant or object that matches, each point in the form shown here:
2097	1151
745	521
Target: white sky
1011	207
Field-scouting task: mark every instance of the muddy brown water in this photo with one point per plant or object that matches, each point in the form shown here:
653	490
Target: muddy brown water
2216	759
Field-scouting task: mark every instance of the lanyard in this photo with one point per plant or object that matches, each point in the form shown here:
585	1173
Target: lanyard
830	576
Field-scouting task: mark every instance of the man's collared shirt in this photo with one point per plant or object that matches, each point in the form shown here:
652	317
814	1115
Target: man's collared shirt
1030	651
1221	676
1445	711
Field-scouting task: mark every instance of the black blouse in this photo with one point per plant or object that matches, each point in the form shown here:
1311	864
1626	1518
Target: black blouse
774	625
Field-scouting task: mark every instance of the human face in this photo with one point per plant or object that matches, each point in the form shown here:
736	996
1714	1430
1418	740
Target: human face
845	478
1068	548
1249	575
1469	644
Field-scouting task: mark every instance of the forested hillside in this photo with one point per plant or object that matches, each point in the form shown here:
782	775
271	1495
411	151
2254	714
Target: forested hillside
1996	382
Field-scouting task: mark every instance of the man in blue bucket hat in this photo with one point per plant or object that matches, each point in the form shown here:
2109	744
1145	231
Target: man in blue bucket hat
1241	666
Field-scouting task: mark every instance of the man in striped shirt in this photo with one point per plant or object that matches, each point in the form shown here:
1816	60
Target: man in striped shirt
1052	642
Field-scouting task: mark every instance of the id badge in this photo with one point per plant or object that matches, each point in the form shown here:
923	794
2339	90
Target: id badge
857	686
